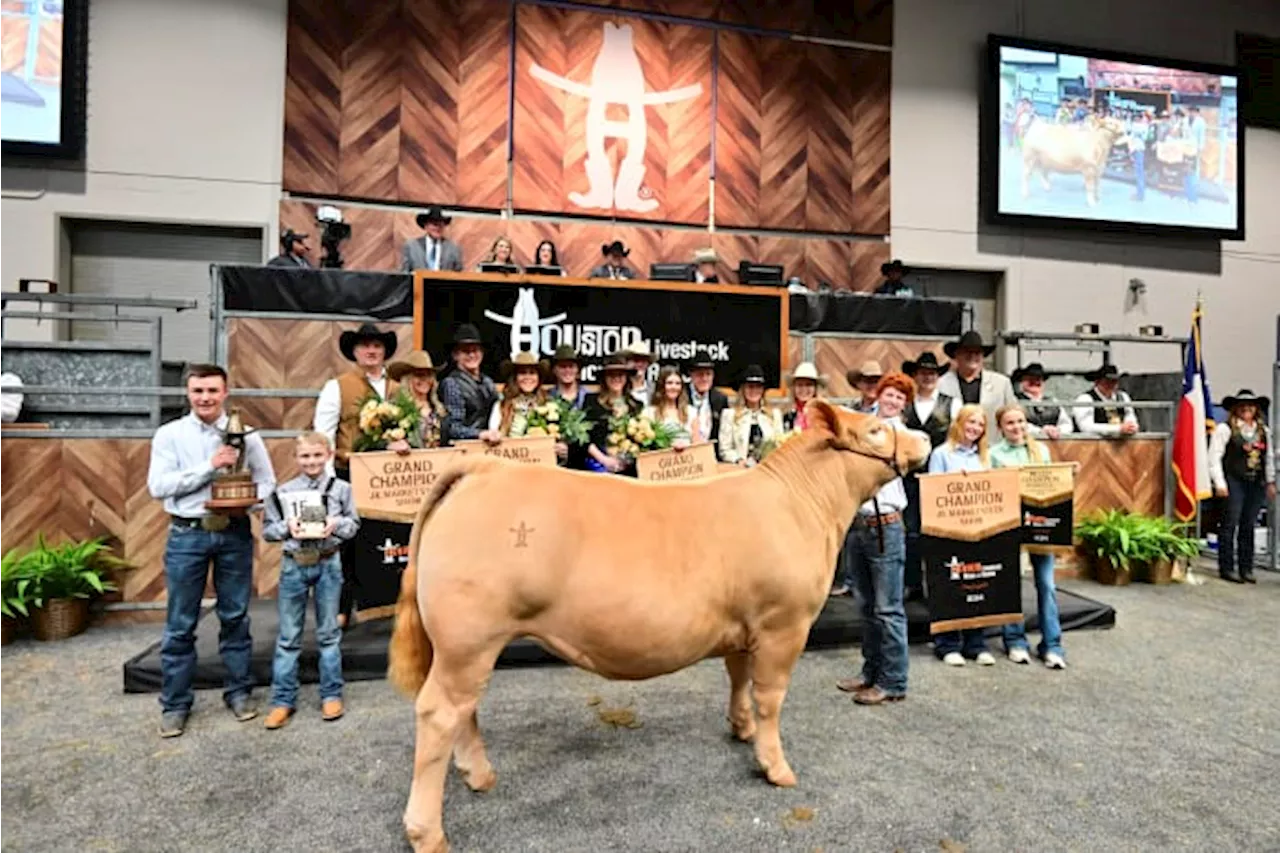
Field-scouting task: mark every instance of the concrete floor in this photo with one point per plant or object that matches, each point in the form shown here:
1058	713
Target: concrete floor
1164	734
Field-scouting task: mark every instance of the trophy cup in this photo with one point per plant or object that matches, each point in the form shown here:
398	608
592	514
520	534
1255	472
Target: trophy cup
234	490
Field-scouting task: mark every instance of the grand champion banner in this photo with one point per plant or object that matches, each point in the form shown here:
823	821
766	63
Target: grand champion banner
733	325
1048	506
971	533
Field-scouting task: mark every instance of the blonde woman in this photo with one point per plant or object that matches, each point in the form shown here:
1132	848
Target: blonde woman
522	389
1242	468
501	252
804	383
748	424
1017	447
964	450
417	374
670	405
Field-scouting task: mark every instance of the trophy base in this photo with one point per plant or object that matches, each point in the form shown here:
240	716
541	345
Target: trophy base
233	494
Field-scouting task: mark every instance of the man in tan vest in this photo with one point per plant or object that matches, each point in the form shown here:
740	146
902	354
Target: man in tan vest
338	414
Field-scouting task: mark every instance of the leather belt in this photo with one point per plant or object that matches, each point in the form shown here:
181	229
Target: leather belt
878	520
183	521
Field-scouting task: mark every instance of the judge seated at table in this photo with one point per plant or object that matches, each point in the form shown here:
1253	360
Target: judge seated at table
294	251
1104	411
433	251
893	284
547	256
499	253
705	271
615	265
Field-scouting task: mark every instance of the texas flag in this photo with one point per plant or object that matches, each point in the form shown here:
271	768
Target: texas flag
1191	431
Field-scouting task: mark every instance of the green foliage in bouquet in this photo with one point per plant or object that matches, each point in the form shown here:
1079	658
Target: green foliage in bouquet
385	421
629	435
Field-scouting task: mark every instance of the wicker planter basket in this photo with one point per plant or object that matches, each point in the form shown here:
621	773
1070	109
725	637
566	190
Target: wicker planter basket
8	630
1105	572
60	618
1160	572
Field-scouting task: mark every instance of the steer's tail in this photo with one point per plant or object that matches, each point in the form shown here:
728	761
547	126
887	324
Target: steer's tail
409	656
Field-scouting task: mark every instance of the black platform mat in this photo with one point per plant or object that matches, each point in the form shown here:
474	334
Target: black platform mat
364	647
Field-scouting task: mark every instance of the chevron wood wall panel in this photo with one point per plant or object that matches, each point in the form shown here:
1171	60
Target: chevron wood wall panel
799	137
868	21
560	164
1127	473
369	122
836	356
313	96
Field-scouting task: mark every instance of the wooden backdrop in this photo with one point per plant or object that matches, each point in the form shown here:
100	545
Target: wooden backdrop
408	102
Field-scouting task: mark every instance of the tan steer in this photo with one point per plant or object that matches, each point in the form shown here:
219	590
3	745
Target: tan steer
1079	148
501	551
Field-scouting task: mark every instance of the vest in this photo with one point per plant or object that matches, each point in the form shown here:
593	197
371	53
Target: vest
938	422
1244	460
1107	414
353	389
478	397
1038	415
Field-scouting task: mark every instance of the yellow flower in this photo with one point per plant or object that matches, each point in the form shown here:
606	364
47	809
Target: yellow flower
537	430
395	434
387	409
553	430
405	423
615	438
553	413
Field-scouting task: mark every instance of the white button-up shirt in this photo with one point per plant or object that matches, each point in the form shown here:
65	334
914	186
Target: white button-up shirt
180	472
892	496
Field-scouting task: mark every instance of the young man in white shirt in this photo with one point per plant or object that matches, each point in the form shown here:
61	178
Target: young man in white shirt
186	455
1104	411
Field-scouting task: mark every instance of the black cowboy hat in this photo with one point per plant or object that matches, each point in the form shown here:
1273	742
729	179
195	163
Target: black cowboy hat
702	361
367	332
616	246
290	236
432	214
969	340
928	361
524	359
1244	395
615	363
892	266
564	352
466	334
1106	371
1033	370
753	373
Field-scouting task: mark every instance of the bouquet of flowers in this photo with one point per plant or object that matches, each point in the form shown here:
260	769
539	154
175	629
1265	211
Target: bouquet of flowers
385	421
629	435
775	441
560	420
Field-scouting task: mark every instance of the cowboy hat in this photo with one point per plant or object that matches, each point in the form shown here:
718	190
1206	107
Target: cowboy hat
417	361
367	332
926	361
616	246
1243	396
466	334
807	370
640	349
522	359
706	256
1034	370
870	369
753	373
969	340
1106	371
564	352
893	266
616	363
702	360
432	214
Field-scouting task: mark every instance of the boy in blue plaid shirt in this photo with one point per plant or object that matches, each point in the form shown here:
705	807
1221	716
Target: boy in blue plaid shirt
312	514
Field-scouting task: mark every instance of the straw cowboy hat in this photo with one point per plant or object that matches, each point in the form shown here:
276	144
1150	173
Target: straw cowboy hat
807	370
869	370
926	361
969	340
417	361
432	214
1106	371
367	332
523	359
640	349
1034	370
706	256
616	363
1245	396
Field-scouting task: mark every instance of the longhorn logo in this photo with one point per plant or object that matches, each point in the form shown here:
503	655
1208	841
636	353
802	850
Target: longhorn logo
616	78
526	322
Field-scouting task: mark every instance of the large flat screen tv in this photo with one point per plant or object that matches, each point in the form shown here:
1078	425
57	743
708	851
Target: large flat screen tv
42	80
1078	137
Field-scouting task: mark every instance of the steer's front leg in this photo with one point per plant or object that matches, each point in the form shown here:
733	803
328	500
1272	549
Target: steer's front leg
741	715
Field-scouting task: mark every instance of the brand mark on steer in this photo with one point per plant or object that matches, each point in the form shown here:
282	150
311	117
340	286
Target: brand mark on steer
522	535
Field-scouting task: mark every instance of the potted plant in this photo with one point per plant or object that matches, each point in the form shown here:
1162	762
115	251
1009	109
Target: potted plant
1175	549
1109	538
60	581
15	599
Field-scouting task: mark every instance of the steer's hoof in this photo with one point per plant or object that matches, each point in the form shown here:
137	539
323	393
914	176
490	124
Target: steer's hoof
481	780
426	840
744	732
782	776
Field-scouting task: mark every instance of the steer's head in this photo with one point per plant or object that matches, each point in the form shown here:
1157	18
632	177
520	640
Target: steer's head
878	446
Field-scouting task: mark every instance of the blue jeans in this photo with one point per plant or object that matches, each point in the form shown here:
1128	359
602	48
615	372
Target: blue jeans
187	555
1140	173
296	583
968	642
1235	534
1015	636
878	580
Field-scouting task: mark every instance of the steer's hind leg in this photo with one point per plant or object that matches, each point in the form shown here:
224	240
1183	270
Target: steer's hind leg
469	754
775	656
741	715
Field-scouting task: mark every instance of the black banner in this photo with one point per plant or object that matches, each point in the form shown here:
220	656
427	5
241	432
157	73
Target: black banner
735	329
384	296
843	311
1048	526
973	584
381	550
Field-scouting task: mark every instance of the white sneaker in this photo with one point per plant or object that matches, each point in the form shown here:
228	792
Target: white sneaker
953	659
986	659
1053	660
1019	655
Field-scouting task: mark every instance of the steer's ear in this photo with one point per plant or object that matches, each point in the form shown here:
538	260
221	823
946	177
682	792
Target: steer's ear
823	415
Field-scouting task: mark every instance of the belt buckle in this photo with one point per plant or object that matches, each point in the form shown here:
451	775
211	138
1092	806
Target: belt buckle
307	556
214	523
